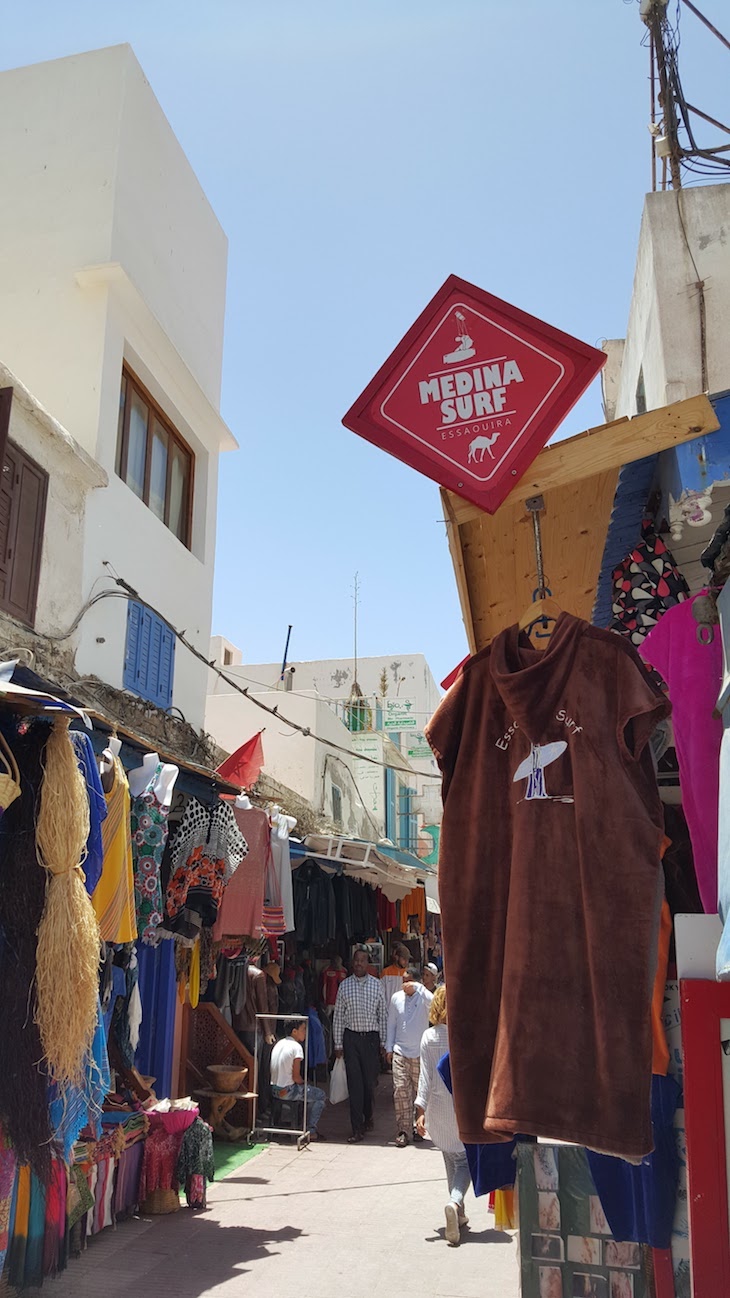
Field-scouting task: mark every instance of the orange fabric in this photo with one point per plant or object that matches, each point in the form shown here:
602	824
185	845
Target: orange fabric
660	1053
413	904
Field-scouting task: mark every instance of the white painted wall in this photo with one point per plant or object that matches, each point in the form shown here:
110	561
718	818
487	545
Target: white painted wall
306	766
329	684
685	236
110	252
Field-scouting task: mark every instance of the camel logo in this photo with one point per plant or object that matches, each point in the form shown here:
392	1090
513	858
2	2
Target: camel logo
533	770
481	444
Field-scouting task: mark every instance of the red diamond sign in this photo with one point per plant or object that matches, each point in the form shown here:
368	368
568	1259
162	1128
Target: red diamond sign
473	392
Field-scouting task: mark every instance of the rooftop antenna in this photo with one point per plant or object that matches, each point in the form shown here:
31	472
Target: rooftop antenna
286	654
356	602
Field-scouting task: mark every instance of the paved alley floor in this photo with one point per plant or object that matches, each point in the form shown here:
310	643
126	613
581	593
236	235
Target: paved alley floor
332	1221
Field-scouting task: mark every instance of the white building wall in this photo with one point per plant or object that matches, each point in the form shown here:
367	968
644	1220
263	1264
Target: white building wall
110	252
684	238
302	763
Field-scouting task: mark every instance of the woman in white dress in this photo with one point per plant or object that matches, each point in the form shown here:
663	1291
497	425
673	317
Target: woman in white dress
435	1112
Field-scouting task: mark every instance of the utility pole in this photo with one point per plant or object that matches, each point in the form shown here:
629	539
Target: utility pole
654	20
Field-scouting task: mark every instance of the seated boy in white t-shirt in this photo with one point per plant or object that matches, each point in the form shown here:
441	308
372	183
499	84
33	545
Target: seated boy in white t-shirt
287	1077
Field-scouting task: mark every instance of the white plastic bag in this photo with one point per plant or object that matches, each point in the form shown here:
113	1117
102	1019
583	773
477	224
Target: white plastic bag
338	1083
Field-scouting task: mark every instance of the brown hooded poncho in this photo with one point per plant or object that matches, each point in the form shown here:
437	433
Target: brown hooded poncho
550	888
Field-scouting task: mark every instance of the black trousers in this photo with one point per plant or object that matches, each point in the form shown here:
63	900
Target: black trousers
362	1062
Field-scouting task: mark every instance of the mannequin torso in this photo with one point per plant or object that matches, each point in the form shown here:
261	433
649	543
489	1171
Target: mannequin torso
140	777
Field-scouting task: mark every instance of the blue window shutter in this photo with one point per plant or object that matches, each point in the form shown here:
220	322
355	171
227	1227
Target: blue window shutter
149	659
390	807
166	667
134	623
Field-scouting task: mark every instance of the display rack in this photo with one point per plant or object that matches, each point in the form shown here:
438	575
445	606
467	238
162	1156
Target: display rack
302	1136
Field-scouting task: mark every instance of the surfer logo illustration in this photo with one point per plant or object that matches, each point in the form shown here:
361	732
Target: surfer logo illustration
466	348
533	770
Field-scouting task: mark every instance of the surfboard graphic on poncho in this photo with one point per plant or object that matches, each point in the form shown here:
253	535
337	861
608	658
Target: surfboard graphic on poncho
533	770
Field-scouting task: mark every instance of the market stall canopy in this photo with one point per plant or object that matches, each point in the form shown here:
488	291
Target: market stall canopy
386	867
494	555
21	699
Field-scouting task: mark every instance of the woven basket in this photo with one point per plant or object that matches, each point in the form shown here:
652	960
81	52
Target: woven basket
160	1202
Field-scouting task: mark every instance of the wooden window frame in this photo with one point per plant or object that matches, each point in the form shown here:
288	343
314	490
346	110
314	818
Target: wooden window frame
122	453
28	615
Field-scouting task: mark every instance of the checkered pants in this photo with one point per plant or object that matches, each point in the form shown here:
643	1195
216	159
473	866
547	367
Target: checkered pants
405	1089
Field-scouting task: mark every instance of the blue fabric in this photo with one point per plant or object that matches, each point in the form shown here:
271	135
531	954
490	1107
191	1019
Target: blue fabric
97	807
317	1053
158	990
639	1202
76	1107
492	1167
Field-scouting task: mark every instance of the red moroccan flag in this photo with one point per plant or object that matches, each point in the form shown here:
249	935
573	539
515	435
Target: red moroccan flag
244	766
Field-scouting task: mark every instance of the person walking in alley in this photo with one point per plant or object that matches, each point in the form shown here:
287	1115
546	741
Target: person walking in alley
435	1112
392	977
287	1076
360	1022
407	1022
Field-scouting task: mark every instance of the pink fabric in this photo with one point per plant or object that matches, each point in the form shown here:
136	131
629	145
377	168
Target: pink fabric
241	909
693	673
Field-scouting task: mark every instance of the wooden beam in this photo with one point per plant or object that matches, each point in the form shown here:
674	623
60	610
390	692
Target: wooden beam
599	450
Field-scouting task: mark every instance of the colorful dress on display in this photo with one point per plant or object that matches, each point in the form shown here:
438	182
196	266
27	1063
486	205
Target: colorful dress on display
149	836
113	898
207	850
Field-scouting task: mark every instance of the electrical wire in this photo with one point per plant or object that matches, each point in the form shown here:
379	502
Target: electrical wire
128	591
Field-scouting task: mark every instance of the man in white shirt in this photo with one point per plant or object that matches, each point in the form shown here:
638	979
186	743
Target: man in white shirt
407	1022
287	1077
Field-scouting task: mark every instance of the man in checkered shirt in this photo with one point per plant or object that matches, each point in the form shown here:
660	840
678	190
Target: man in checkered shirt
360	1026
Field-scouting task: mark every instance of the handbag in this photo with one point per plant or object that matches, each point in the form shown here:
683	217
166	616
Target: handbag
338	1082
9	778
273	923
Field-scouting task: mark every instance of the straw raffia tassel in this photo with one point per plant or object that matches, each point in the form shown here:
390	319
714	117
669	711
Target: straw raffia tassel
67	974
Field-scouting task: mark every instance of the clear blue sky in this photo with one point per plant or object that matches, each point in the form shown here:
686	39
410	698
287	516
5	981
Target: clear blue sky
357	152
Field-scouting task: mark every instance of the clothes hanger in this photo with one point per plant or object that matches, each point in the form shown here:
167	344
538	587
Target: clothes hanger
543	609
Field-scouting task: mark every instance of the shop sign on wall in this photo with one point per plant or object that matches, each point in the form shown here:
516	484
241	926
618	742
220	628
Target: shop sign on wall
418	747
399	714
473	392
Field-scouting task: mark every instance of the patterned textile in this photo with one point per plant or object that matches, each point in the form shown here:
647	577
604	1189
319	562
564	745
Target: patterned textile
113	897
18	1246
149	836
126	1189
195	1164
646	584
79	1198
75	1107
8	1169
103	1193
405	1087
207	850
54	1259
